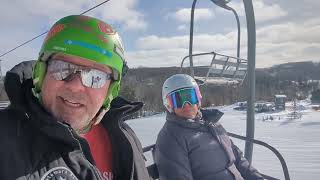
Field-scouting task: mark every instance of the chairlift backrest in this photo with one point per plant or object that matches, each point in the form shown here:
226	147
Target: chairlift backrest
220	68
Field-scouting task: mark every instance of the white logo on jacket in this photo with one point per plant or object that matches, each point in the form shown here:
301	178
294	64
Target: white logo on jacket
60	173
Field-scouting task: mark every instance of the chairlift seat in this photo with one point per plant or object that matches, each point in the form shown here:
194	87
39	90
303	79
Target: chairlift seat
221	69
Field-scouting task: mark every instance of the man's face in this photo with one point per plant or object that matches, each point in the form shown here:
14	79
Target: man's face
71	101
187	111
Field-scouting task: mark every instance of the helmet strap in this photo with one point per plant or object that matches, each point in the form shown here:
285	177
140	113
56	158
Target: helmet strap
96	120
87	128
100	115
106	105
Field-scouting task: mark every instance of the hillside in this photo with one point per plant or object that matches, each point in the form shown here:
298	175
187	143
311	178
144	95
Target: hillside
144	84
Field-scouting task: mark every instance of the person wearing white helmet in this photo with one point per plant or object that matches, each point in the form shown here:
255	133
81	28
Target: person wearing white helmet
192	145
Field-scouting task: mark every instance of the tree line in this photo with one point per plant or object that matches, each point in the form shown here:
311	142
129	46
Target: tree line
296	80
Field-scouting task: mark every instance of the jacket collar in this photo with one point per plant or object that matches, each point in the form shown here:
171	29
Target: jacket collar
123	108
22	100
211	115
204	116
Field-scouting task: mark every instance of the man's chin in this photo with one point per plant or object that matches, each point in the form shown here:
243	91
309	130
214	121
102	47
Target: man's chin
76	123
79	128
189	116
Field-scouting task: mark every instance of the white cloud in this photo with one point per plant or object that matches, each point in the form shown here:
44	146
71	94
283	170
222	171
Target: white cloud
204	42
263	12
267	12
23	20
290	32
156	58
270	54
123	11
155	42
158	51
278	43
288	42
221	43
28	13
183	15
35	12
183	27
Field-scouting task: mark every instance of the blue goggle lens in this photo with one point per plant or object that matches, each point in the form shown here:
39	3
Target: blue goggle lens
179	98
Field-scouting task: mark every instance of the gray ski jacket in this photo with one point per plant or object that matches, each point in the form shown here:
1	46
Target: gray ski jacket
199	149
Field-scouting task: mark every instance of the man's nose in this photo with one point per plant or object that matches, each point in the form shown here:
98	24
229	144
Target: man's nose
74	83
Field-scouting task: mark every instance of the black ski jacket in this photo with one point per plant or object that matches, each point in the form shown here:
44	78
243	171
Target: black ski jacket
35	146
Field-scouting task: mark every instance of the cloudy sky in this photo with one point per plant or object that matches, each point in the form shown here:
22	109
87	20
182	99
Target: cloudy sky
156	33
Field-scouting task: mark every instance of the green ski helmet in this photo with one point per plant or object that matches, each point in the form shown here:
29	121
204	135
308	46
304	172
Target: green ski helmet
88	38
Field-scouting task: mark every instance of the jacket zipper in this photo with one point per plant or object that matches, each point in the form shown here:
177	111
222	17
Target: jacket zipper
213	130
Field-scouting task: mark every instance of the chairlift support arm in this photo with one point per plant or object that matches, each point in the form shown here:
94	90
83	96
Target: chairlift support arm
251	30
221	3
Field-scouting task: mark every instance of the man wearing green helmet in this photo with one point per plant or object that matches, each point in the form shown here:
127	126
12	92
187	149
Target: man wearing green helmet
66	122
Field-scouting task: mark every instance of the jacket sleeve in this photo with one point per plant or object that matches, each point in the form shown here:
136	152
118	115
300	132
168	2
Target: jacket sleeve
247	171
171	158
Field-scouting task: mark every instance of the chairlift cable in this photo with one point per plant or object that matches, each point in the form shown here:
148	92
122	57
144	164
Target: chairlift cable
94	7
24	43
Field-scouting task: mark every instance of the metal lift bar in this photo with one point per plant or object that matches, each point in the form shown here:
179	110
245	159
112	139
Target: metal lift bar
251	66
274	150
251	28
221	3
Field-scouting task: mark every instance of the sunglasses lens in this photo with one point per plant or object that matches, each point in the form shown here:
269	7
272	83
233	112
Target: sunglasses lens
59	69
93	78
61	75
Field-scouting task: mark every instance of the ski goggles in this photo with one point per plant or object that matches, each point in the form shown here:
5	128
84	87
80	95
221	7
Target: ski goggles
65	71
179	98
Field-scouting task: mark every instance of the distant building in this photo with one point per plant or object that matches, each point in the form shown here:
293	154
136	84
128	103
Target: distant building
263	107
280	101
259	107
241	106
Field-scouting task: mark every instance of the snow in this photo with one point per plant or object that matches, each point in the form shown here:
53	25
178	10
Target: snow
280	96
297	140
219	80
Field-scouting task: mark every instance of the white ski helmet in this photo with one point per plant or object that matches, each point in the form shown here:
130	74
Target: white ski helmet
176	82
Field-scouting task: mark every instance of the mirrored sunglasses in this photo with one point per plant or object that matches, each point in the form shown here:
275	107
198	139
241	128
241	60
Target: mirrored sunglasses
65	71
179	98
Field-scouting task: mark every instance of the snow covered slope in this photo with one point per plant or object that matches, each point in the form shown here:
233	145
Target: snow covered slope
297	140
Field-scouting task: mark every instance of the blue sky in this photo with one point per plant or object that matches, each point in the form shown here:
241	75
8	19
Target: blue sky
155	33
